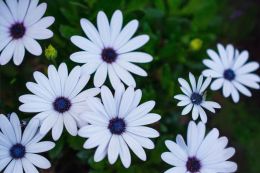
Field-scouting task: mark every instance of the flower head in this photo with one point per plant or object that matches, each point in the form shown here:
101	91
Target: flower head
231	72
58	99
108	50
19	150
21	24
198	155
117	123
194	97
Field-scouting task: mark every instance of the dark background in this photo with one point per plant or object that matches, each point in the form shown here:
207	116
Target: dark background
176	29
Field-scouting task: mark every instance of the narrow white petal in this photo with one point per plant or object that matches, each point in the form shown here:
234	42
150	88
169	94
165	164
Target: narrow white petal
187	109
124	75
85	44
40	147
30	131
132	68
38	161
100	75
70	124
113	149
37	14
108	101
7	53
115	25
126	33
134	44
136	57
103	28
32	46
217	84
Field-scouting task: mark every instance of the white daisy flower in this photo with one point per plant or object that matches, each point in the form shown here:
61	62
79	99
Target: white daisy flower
21	23
194	98
231	71
19	151
108	50
201	154
118	123
58	99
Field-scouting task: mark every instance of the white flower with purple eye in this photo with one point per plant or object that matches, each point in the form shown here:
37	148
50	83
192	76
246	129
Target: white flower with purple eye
21	23
19	151
201	154
117	123
108	50
231	71
194	98
58	99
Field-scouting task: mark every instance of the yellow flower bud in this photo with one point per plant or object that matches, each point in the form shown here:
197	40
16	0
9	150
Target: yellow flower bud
196	44
51	53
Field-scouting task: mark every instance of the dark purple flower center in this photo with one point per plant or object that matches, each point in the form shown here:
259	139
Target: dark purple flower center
109	55
193	165
61	104
17	151
17	30
196	98
117	126
229	74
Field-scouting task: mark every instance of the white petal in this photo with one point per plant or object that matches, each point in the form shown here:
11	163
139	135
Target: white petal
39	34
126	102
241	88
13	5
124	75
5	12
126	33
7	53
217	84
132	68
28	166
124	153
203	115
147	119
113	77
176	150
205	85
15	122
108	101
247	68
100	75
30	131
169	158
91	32
223	55
85	44
91	67
134	44
85	57
136	57
4	162
32	46
70	124
212	73
140	111
187	109
227	86
176	170
195	112
143	131
35	14
54	80
7	129
192	81
10	167
72	80
134	146
113	149
40	147
185	84
241	60
103	28
115	25
38	161
48	123
19	53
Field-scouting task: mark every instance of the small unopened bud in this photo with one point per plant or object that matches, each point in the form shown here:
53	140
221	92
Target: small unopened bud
51	53
196	44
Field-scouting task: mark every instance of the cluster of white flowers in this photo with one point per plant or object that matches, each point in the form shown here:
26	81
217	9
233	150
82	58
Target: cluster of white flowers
115	123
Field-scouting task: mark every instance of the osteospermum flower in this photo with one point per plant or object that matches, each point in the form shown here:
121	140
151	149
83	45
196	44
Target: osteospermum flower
108	50
194	97
21	23
19	151
201	154
117	123
58	99
231	71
